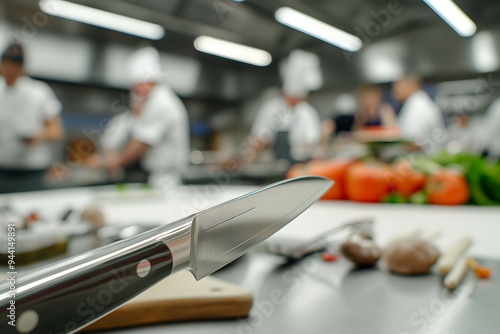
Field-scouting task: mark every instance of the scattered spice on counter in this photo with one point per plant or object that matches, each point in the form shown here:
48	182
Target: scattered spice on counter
329	257
480	271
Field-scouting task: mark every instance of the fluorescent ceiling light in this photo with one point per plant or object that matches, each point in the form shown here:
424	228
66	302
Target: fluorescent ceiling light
454	16
382	62
484	52
234	51
100	18
318	29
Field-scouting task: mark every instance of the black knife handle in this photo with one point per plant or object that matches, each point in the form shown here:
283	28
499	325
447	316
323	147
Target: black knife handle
71	301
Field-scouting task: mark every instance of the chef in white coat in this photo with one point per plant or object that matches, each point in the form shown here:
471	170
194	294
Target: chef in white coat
155	132
419	117
288	124
486	138
29	121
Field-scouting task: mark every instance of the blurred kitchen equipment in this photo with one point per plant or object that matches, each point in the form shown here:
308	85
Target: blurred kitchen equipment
296	251
41	235
115	232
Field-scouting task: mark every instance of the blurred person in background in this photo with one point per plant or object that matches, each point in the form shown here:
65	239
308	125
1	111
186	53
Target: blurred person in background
357	113
340	122
29	121
154	134
462	129
419	116
289	125
372	110
486	140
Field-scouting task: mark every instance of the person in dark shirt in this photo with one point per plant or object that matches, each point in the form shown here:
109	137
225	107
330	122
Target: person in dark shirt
372	111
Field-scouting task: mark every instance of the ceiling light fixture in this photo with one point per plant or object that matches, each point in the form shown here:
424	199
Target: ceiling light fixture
318	29
101	18
484	53
233	51
454	16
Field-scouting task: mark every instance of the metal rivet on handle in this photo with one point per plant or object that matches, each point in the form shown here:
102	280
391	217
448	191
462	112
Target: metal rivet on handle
27	321
143	268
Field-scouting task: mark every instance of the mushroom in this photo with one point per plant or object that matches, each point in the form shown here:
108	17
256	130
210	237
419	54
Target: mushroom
360	250
410	256
94	216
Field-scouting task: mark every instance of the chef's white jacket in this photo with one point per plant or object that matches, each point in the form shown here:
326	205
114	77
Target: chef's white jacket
118	131
302	122
419	118
24	108
163	125
487	135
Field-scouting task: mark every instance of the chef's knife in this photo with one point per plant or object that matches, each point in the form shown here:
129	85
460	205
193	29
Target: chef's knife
70	294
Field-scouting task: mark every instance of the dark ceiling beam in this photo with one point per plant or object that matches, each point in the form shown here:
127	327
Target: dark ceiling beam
177	9
172	23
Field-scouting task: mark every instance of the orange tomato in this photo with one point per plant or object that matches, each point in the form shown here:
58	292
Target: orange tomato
447	187
369	182
407	180
334	170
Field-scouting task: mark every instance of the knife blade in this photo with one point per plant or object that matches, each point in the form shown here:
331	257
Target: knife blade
66	296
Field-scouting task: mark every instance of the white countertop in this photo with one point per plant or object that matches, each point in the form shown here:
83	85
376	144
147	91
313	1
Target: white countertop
481	223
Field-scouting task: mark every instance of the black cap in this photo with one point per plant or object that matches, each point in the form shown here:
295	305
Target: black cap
14	52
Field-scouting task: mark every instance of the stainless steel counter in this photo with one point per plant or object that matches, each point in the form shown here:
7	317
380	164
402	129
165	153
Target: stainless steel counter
316	297
312	296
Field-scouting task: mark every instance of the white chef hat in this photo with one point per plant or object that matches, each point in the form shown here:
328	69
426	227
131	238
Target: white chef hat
144	66
301	73
345	104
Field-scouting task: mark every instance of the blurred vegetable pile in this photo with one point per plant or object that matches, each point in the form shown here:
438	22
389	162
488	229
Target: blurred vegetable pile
444	179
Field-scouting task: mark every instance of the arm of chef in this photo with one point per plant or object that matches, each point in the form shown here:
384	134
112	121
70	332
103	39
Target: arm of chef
148	131
487	134
263	130
311	125
419	122
53	129
117	132
306	134
412	123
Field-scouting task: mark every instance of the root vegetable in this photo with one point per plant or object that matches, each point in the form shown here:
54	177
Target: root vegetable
94	216
457	273
360	250
452	253
411	256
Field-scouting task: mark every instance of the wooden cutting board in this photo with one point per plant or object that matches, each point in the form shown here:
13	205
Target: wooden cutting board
180	298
